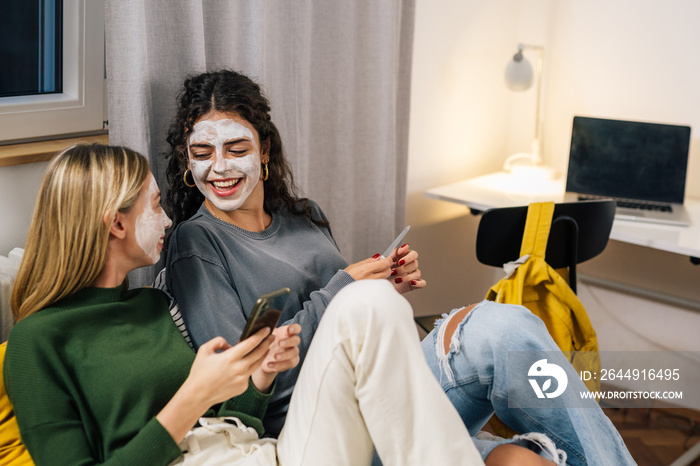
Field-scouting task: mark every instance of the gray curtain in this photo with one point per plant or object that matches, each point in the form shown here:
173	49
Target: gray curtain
337	74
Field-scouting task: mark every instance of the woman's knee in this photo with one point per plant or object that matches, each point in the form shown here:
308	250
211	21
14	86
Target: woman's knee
494	323
514	455
375	298
509	318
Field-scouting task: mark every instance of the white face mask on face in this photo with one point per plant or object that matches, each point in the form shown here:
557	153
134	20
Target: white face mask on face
151	226
226	181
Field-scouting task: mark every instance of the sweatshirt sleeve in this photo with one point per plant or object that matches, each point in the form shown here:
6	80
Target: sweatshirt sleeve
202	288
206	293
51	426
313	309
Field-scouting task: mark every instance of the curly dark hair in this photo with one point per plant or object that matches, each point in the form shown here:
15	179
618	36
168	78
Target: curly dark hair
227	91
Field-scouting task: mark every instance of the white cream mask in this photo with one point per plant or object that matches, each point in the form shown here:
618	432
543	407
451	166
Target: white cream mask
226	181
151	225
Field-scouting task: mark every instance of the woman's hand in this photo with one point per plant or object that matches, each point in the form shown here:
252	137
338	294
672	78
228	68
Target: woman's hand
219	372
373	268
283	355
405	274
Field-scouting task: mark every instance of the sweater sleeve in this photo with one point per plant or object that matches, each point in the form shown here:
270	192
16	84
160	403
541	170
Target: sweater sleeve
52	428
249	407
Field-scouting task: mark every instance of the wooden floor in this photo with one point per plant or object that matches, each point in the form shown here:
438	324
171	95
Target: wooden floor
657	437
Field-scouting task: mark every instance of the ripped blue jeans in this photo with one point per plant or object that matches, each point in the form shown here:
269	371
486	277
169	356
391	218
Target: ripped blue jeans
474	375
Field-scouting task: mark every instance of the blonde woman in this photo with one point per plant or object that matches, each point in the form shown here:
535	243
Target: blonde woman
99	374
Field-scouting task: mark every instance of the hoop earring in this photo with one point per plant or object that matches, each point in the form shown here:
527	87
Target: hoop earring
184	179
267	173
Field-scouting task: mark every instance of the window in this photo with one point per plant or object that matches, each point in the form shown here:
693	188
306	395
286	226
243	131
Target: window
31	43
52	68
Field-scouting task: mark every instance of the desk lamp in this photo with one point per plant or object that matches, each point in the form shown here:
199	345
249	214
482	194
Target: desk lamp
519	77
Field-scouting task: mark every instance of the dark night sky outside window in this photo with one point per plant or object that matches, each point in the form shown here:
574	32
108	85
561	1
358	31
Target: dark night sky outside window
31	47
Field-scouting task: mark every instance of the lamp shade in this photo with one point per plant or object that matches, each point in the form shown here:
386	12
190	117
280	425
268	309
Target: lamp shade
519	75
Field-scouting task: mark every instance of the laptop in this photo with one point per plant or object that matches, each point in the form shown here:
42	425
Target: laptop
642	166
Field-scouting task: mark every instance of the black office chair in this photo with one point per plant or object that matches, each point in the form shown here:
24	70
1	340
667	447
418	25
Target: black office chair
579	232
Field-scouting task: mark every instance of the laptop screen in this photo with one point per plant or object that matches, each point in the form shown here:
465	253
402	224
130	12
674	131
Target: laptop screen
628	159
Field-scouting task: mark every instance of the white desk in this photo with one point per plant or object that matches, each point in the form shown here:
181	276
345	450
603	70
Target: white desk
501	189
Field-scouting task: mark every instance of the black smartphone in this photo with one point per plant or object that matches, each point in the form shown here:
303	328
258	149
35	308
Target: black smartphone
266	312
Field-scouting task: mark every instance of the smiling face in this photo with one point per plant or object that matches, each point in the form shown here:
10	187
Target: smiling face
151	222
225	158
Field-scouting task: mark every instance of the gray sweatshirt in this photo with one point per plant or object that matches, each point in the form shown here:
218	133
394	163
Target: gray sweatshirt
216	271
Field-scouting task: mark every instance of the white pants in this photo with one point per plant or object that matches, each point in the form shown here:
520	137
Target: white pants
365	384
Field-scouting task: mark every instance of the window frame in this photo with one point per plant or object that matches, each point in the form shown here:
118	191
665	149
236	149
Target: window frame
80	108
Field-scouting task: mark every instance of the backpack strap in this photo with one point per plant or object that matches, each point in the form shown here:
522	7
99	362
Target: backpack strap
536	233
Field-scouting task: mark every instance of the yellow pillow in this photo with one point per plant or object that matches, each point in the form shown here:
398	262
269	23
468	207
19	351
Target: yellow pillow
12	451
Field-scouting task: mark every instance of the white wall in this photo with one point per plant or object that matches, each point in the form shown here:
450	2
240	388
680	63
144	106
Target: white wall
627	59
631	59
459	122
19	185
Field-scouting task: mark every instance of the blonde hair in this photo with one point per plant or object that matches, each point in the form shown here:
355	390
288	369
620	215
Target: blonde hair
81	192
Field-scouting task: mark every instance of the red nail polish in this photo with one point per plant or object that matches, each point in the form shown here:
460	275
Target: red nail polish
402	262
406	244
376	256
413	283
393	272
398	280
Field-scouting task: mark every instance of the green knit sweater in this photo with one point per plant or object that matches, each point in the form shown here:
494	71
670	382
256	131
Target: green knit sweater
87	376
